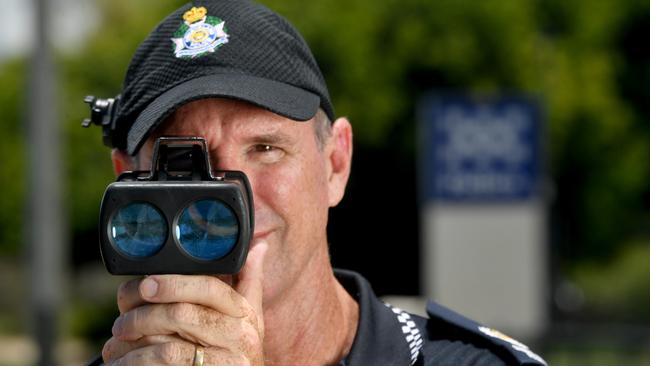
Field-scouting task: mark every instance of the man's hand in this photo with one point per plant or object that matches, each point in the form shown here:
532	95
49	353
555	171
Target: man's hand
165	317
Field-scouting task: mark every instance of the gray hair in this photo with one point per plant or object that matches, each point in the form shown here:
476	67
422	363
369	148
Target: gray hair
322	127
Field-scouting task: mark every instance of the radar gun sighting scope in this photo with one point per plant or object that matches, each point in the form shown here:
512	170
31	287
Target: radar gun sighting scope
179	217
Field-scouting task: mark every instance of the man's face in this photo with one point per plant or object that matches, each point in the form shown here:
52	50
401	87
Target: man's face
294	179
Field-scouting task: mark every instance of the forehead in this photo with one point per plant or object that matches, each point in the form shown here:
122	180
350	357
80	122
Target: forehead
210	113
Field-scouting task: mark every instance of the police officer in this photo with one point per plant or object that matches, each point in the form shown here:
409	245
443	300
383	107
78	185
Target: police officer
240	76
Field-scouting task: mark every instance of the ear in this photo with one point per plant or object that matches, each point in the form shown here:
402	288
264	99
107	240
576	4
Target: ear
339	155
121	161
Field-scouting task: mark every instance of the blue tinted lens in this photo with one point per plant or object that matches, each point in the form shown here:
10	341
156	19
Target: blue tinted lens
207	229
138	229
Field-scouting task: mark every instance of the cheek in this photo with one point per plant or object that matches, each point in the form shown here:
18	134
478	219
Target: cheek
291	193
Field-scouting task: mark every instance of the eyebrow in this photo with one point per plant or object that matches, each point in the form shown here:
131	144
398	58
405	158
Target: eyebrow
275	138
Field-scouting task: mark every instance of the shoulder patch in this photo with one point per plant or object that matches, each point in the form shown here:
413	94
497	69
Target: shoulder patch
497	339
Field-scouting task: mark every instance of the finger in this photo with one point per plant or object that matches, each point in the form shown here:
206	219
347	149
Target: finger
128	295
202	290
251	279
170	353
195	323
174	353
115	348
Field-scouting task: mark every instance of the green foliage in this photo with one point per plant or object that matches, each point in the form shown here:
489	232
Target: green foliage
12	148
587	61
380	57
99	70
92	321
618	289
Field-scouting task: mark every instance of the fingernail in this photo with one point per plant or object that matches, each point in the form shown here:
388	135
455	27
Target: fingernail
149	287
117	326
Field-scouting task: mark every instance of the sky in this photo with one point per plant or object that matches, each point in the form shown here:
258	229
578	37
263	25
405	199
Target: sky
71	21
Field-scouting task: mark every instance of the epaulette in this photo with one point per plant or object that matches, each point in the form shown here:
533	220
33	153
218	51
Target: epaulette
490	338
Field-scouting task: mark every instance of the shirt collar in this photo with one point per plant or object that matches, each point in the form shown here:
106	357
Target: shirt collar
379	339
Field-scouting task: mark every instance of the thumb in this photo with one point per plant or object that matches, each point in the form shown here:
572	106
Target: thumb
250	282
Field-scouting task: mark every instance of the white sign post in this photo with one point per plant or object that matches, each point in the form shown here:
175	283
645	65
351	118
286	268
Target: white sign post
483	214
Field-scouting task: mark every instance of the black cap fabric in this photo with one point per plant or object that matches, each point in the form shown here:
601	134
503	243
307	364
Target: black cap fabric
221	48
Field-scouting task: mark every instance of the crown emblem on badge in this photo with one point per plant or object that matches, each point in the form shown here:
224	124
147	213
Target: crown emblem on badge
199	34
195	14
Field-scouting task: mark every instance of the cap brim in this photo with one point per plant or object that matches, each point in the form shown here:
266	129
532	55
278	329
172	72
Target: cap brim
283	99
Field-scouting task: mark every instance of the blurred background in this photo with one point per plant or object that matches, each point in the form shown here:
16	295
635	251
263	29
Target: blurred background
586	64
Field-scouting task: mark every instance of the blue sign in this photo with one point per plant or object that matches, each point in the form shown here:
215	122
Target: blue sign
485	150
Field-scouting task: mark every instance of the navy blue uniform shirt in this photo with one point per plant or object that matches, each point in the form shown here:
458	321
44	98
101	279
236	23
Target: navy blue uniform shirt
389	336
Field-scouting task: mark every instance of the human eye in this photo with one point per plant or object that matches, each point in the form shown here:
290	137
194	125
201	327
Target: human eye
264	148
267	153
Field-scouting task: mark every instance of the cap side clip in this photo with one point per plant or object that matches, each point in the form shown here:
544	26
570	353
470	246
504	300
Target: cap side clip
102	113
